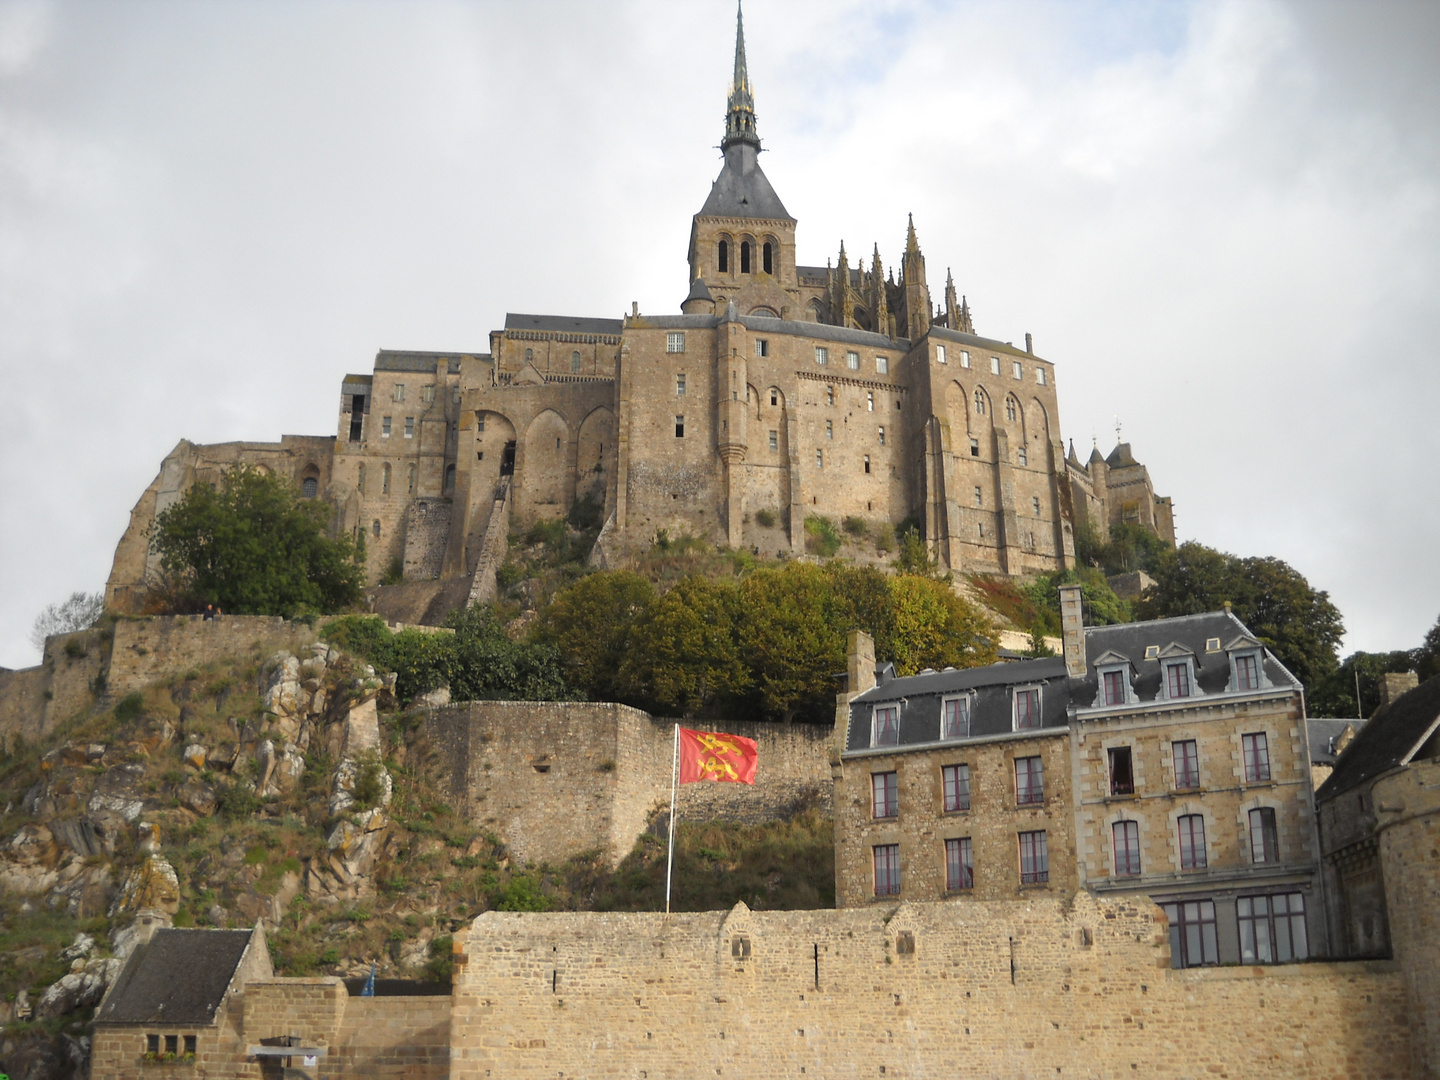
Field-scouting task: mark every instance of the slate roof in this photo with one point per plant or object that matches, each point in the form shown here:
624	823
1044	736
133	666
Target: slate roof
1322	733
1387	739
1192	632
742	191
944	333
410	360
564	324
991	712
765	324
179	977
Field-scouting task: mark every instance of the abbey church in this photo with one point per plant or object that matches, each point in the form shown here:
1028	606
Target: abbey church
778	391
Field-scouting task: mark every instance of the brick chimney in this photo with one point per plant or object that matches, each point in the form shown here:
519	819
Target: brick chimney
1395	683
1072	630
859	677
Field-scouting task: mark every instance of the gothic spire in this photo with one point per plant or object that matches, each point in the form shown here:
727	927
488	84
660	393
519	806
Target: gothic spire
912	244
740	109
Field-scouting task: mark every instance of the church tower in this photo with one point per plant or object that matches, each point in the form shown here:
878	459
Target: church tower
742	242
916	308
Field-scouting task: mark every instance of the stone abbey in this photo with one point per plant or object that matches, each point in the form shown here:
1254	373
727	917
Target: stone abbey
779	391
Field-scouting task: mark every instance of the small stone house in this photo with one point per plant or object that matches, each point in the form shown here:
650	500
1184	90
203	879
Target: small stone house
178	1001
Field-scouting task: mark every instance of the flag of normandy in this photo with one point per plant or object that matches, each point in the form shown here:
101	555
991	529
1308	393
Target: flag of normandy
710	755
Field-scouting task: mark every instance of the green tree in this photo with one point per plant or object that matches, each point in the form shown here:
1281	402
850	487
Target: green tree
935	628
793	643
1427	657
490	665
252	546
591	624
1299	623
1334	695
685	655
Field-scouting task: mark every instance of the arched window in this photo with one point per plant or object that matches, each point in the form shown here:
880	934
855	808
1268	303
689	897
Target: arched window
529	355
310	487
745	256
767	258
980	402
724	256
385	479
449	479
1011	409
575	362
375	528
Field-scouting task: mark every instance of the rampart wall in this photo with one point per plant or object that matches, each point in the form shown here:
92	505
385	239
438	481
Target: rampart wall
1049	987
554	779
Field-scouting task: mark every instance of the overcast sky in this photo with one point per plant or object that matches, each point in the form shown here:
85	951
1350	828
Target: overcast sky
1221	221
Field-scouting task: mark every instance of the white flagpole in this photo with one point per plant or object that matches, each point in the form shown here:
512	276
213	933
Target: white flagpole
674	783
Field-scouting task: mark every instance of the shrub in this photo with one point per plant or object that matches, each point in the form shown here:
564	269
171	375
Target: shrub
394	573
765	519
855	526
238	801
587	512
130	707
884	539
820	536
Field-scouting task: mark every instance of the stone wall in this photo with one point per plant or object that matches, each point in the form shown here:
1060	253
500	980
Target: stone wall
1042	987
427	528
34	700
392	1038
554	779
147	650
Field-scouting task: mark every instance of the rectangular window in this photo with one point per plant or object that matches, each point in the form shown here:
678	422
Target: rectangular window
974	447
955	718
829	395
994	365
1187	765
1272	929
680	385
172	1044
822	355
957	788
1192	933
959	864
1125	837
674	343
870	401
1029	781
774	440
1022	456
1114	687
1177	680
1264	838
152	1044
385	427
409	427
885	795
819	459
190	1045
1040	375
829	429
1192	842
1016	370
852	360
1027	709
428	394
886	726
1257	758
1122	771
867	463
965	358
979	496
940	354
399	392
882	436
1247	673
1034	501
882	365
762	347
679	427
1034	859
887	869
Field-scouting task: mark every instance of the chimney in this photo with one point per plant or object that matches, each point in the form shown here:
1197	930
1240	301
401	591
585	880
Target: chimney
1072	630
1395	683
859	677
1029	345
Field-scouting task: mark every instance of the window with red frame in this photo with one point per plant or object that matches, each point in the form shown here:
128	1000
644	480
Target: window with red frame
1034	859
1247	673
1257	757
1114	688
1187	765
887	869
1126	838
1029	781
959	864
957	787
1027	709
1177	680
1192	842
885	795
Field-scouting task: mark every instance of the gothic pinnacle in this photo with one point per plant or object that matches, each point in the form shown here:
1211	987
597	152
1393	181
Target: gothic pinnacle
740	109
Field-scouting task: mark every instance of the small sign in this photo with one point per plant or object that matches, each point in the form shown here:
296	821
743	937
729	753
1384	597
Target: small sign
311	1060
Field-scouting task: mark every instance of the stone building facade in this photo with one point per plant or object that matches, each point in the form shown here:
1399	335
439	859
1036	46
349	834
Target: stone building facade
1162	761
780	390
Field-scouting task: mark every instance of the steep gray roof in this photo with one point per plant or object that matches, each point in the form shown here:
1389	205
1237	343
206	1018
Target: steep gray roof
410	360
564	324
944	333
179	977
1322	733
742	191
1388	738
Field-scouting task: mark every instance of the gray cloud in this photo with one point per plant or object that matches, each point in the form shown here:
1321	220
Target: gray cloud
1219	220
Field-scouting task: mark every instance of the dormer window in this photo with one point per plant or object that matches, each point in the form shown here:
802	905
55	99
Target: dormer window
1027	708
1115	673
885	726
1177	679
1247	671
1177	673
955	717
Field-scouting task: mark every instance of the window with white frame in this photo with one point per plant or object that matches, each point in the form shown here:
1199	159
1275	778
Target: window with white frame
1027	708
1125	839
1256	750
852	360
940	354
762	347
1192	842
994	365
1040	375
774	440
887	869
959	864
1029	781
427	394
1246	668
957	787
1016	370
822	355
1034	858
955	717
675	342
965	358
399	392
1272	928
882	365
1022	457
884	795
385	427
1264	837
409	427
885	726
680	384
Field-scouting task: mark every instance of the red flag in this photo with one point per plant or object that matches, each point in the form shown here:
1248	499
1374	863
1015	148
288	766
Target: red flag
711	755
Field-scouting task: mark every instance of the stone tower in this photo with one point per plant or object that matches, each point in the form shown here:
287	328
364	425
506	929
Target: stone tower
916	309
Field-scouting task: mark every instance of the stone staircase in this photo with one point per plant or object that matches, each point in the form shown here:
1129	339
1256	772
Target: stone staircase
493	547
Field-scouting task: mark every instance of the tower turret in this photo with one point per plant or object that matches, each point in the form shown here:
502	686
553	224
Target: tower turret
917	293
